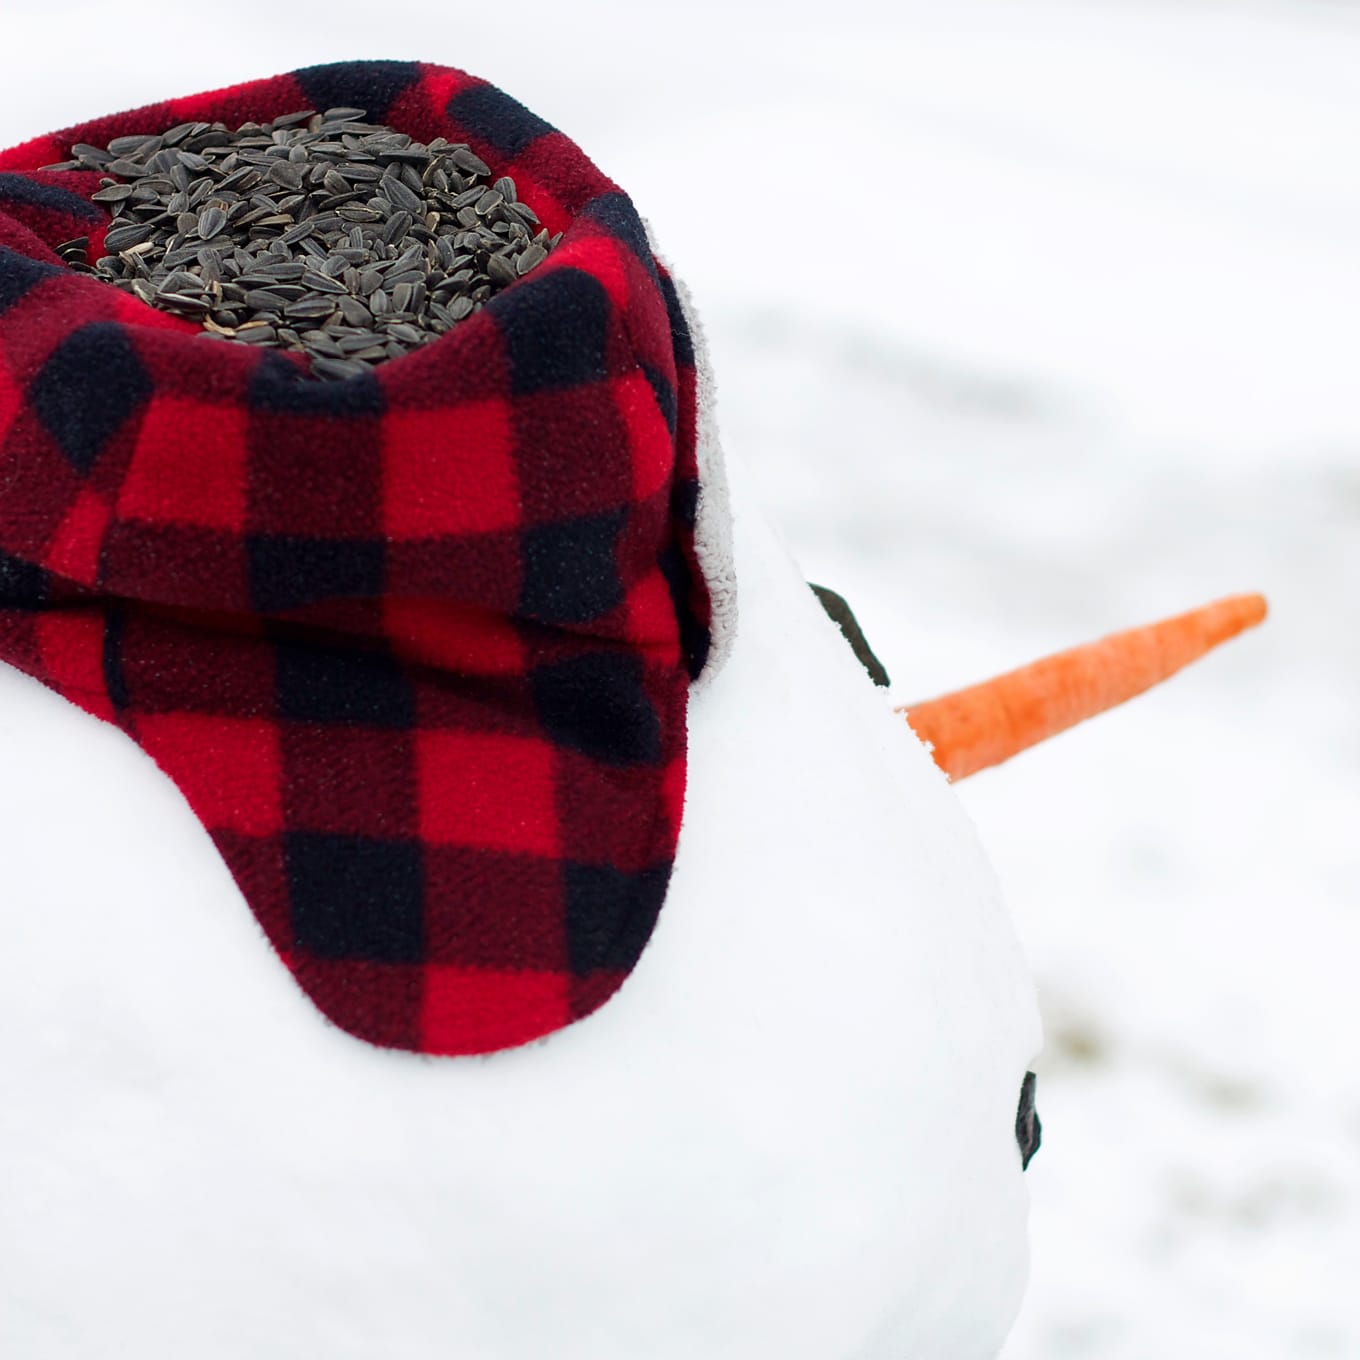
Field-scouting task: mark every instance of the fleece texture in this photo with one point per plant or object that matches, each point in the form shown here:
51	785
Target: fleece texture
416	646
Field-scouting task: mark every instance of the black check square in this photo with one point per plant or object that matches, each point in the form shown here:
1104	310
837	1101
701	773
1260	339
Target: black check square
596	704
610	914
373	86
571	572
556	331
287	572
22	585
315	684
492	116
352	897
18	274
90	385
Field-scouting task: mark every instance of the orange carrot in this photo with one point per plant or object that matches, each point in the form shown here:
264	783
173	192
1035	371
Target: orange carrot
985	724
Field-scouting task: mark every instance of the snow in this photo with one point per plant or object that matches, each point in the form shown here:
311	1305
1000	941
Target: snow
1073	347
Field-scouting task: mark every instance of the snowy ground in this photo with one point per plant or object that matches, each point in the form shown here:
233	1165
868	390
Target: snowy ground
1037	321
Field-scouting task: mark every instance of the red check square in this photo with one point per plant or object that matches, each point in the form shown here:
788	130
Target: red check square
74	549
228	768
488	792
71	647
463	1007
189	466
648	438
454	637
11	398
449	471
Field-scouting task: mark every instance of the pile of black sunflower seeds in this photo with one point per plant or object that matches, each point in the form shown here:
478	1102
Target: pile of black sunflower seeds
317	232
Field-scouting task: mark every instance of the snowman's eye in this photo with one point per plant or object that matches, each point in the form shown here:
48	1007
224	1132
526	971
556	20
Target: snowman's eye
842	616
1027	1128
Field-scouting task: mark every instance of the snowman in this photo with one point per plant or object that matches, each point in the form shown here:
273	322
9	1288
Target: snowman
465	895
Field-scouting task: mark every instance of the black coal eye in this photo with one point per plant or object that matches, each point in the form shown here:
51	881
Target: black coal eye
841	615
1027	1127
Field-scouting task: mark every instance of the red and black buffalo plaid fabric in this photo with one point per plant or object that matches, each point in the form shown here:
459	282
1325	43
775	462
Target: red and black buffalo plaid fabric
416	646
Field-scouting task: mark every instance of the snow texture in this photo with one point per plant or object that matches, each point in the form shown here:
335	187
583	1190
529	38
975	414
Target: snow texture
1074	348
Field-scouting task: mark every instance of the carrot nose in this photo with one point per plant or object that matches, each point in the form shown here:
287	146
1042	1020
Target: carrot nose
986	724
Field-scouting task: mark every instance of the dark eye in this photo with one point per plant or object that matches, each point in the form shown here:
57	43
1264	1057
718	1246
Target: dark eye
841	615
1027	1127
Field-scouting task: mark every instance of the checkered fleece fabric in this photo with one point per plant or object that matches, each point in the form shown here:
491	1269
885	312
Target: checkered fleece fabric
415	646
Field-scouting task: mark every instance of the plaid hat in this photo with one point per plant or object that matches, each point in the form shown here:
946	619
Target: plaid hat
416	646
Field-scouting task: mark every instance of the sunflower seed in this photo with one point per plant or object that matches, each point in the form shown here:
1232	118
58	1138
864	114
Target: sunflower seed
286	174
400	195
326	367
178	302
355	312
353	344
120	146
535	255
266	299
322	283
179	132
397	227
210	221
181	281
310	308
282	271
464	159
501	270
321	342
120	238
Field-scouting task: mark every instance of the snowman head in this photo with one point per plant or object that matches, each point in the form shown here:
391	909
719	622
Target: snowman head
479	689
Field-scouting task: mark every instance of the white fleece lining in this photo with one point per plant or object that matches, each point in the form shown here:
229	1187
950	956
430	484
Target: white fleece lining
713	528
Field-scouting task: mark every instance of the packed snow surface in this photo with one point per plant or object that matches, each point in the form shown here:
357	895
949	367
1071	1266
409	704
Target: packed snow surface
1035	321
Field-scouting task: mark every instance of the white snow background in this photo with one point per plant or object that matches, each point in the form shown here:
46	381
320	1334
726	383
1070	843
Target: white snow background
1037	321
